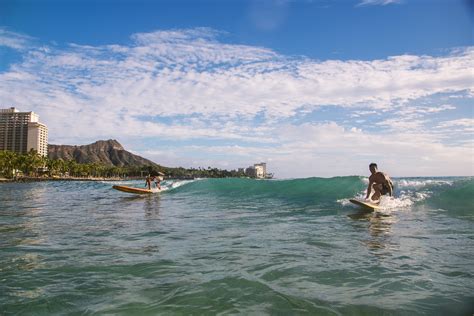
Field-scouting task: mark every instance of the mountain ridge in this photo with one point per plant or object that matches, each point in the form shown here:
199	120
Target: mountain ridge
109	152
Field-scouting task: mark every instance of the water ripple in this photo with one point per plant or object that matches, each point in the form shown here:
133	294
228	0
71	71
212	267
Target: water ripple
83	248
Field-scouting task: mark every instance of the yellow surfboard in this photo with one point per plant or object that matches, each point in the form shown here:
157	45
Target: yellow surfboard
365	205
133	190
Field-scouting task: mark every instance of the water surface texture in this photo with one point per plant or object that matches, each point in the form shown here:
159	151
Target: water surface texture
237	246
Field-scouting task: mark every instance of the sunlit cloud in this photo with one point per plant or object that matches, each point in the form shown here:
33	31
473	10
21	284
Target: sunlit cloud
328	149
190	85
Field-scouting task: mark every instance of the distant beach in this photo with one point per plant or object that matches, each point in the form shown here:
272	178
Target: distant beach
37	179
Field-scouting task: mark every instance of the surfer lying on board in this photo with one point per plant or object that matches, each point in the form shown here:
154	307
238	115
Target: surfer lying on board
380	182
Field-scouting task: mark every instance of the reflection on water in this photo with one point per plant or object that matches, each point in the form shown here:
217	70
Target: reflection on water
27	262
22	226
152	206
380	229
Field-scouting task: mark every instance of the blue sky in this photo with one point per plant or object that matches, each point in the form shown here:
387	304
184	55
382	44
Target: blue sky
314	88
320	29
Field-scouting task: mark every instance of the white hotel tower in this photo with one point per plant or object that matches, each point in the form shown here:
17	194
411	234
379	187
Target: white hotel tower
21	131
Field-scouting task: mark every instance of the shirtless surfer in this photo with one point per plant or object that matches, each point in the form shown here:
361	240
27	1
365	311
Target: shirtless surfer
156	179
380	182
148	181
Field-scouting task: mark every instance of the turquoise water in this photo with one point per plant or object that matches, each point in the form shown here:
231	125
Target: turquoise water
237	246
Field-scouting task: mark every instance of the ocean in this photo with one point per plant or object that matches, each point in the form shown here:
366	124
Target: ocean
237	246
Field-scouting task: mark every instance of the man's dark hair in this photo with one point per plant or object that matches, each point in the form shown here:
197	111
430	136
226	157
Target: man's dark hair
373	164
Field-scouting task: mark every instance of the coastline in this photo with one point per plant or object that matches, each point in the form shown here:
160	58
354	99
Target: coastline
39	179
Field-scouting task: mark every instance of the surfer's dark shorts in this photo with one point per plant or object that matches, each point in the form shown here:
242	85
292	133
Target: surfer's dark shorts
385	189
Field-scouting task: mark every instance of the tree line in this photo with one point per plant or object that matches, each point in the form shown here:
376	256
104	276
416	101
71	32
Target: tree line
32	164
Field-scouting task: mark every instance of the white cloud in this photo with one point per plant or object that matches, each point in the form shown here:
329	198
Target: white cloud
173	74
378	2
14	40
465	125
467	122
330	149
417	111
362	113
401	123
186	84
413	118
178	35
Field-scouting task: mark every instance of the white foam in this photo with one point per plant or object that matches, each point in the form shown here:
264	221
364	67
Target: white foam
173	184
420	183
396	203
407	192
118	182
386	203
404	200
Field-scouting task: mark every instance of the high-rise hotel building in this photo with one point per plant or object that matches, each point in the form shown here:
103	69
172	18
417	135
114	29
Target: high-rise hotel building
21	131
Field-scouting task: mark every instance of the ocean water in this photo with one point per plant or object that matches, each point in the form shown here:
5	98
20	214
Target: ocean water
237	246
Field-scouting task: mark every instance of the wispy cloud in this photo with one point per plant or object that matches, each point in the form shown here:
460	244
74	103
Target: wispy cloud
465	125
378	2
190	85
328	149
15	40
161	76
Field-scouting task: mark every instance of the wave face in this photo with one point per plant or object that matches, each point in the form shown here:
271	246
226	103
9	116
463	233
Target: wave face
320	189
451	194
457	198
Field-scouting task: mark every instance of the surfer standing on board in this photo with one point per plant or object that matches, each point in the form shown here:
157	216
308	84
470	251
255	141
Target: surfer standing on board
380	182
149	179
159	179
156	179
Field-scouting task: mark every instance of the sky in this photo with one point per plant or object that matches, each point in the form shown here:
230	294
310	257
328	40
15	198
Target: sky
311	87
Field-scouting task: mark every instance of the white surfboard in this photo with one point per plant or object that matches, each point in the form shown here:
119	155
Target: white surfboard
365	204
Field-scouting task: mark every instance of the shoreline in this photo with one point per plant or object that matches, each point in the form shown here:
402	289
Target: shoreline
40	179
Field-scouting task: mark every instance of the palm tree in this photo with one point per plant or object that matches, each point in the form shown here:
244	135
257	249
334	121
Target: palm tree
42	162
53	165
33	161
62	166
8	163
20	164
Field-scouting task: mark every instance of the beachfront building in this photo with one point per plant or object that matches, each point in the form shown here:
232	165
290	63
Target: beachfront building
258	171
21	131
261	170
